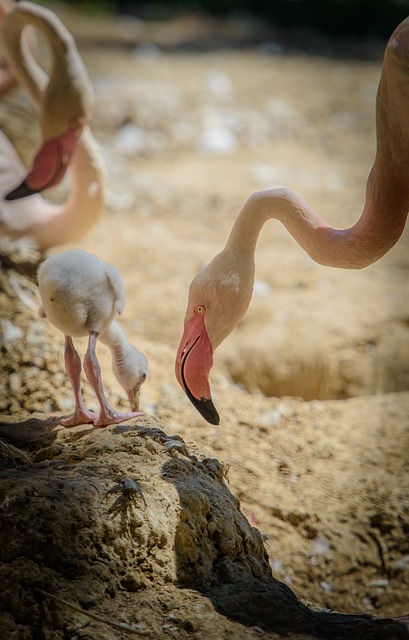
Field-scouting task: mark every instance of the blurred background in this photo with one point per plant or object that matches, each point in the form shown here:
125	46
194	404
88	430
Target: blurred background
307	22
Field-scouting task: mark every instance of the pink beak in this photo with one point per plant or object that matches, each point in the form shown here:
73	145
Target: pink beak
49	165
194	360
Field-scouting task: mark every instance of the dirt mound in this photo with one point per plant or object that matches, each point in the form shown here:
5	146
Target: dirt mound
99	513
320	363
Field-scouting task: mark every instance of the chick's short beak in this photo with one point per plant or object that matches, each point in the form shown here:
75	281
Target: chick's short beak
133	397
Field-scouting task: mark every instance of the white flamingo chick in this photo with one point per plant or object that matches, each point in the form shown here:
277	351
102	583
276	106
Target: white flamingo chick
81	296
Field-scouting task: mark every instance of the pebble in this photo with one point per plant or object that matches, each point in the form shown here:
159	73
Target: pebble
131	140
261	288
15	407
219	83
120	200
271	418
150	409
276	565
379	583
15	382
280	111
59	378
321	547
147	52
265	175
217	140
326	587
367	602
9	332
401	564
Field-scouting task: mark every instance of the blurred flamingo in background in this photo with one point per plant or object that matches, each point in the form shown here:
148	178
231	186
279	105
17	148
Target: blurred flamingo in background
64	102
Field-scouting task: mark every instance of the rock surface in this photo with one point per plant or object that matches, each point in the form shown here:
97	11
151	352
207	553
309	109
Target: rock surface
105	519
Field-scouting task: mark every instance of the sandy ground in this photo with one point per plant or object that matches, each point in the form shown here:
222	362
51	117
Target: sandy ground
312	387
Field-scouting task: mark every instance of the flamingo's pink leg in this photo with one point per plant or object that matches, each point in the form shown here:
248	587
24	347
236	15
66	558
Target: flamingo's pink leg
92	370
81	414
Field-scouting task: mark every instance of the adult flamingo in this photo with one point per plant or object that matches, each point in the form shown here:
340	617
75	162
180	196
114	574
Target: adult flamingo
64	102
219	295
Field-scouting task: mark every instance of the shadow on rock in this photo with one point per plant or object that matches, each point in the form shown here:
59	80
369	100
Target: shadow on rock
222	556
116	521
27	440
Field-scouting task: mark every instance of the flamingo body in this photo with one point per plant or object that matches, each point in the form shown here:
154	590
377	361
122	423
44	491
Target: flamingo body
81	296
80	293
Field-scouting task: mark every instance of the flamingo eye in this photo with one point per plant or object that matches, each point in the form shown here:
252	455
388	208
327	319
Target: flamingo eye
199	309
77	124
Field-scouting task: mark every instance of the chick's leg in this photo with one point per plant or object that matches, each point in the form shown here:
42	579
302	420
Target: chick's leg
81	414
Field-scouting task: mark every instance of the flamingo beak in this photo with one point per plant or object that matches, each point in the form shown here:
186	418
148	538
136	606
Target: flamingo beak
194	360
49	165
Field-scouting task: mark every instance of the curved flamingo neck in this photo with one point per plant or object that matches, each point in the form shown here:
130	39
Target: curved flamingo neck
63	95
126	360
387	193
28	73
377	230
115	338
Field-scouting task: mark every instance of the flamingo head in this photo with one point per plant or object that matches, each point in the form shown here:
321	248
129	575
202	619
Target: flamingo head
218	297
194	361
49	165
66	109
131	370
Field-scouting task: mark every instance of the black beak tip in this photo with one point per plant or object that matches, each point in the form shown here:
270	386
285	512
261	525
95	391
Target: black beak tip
22	191
204	406
206	409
